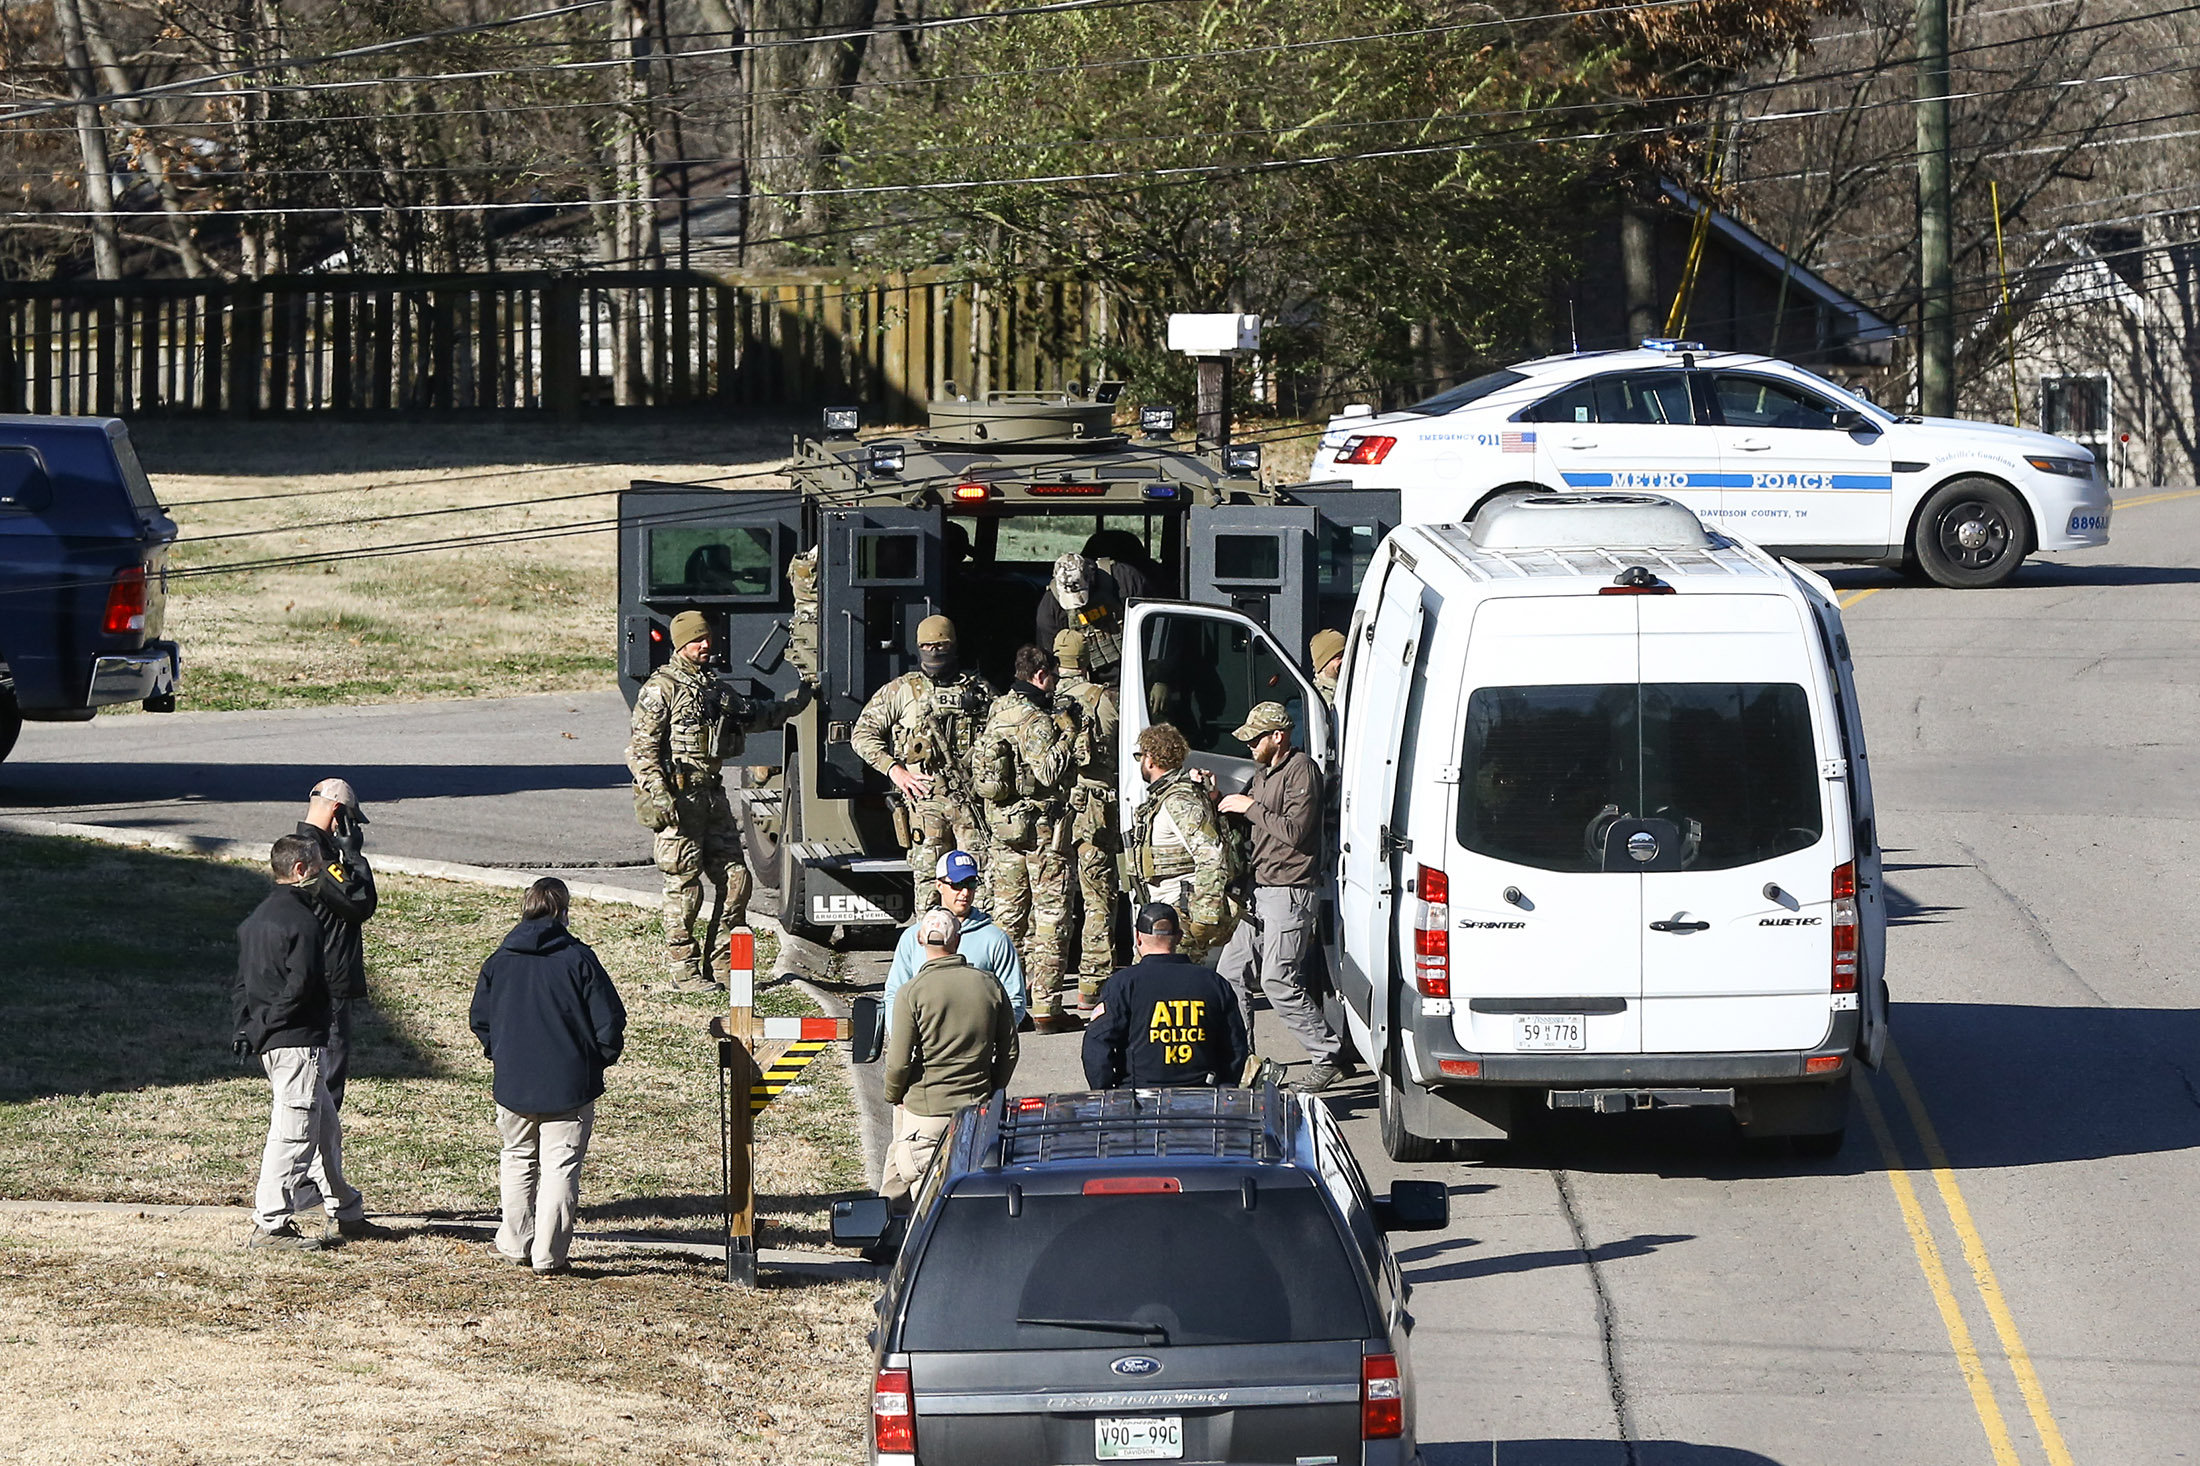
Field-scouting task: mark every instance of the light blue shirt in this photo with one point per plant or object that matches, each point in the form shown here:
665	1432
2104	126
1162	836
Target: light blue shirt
984	946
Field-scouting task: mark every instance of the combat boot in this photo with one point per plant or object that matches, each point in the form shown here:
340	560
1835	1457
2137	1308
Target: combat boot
689	976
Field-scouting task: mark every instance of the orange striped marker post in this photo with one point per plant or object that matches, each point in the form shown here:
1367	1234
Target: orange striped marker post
738	1056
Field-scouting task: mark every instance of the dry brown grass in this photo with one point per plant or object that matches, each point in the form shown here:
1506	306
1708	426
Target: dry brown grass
476	621
159	1341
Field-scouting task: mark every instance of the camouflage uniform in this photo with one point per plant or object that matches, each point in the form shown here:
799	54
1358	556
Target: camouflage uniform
1094	827
1176	853
931	727
1027	764
687	726
1327	687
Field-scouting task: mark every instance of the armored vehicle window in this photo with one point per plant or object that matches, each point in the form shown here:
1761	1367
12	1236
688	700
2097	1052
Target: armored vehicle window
1205	676
722	560
1734	765
1248	557
1197	1264
889	557
23	481
1466	392
1042	539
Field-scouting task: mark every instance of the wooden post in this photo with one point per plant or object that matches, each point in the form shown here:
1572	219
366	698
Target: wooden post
741	1030
561	347
247	301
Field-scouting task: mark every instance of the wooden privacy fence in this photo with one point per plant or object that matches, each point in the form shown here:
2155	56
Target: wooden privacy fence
558	343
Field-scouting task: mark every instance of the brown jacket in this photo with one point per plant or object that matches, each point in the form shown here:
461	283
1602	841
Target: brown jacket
952	1041
1287	820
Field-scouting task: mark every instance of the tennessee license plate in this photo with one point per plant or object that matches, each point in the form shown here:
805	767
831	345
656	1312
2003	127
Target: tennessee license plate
1547	1032
1138	1438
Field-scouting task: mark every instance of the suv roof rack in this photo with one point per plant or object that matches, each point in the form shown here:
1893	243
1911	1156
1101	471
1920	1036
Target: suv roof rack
1107	1124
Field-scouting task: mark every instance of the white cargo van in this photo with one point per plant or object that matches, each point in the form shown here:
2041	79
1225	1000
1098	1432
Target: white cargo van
1602	818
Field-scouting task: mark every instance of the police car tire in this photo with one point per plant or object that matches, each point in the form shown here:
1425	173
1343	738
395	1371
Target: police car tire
11	723
1970	500
1399	1143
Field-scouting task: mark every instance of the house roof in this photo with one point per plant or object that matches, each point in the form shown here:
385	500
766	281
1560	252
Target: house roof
1860	324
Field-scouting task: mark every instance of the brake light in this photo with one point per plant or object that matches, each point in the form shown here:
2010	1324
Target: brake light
1432	934
1382	1398
1844	927
1459	1068
1822	1064
1366	448
126	601
1029	1103
1050	491
972	493
1133	1186
893	1417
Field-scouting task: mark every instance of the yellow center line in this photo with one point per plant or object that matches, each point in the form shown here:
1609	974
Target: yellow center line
1936	1278
1857	595
1974	1252
2156	498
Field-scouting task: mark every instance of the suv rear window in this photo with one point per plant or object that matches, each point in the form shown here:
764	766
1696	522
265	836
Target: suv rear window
1734	764
1197	1264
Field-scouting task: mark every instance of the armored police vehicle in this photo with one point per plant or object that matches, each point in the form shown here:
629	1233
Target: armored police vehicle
965	517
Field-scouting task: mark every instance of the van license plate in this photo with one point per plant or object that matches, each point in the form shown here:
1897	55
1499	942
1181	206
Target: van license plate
1565	1032
1138	1438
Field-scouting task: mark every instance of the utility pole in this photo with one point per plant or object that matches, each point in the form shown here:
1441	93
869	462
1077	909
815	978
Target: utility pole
1936	345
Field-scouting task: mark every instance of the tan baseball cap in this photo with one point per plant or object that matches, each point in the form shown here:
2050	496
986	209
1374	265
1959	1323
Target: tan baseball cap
1266	717
689	626
339	791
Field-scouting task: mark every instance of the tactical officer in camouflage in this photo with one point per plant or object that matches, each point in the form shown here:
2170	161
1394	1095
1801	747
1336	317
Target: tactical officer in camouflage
1325	654
918	730
687	726
1093	829
1175	843
1026	766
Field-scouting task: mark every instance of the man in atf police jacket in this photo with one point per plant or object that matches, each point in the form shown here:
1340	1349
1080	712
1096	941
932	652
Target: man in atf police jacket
342	896
1166	1020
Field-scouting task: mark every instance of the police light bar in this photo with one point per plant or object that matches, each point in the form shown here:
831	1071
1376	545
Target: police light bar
1157	421
887	457
1241	458
1669	345
842	422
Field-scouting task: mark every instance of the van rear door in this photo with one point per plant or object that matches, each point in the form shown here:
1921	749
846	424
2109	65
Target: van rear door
1370	831
1737	952
1546	937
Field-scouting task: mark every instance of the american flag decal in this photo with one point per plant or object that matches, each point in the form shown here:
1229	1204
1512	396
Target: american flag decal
1516	442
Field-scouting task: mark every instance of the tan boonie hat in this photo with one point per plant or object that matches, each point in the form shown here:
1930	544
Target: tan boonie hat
339	791
935	629
1071	586
689	626
1327	643
1069	649
1265	718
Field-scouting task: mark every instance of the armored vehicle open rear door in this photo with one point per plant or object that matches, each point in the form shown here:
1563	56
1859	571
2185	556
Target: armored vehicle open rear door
1295	567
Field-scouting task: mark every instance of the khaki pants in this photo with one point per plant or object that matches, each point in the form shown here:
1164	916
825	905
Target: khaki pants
916	1140
539	1176
302	1166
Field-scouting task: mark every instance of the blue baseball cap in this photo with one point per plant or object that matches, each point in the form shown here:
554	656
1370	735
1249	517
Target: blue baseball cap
957	867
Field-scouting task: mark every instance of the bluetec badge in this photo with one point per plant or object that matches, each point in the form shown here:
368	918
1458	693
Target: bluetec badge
1138	1366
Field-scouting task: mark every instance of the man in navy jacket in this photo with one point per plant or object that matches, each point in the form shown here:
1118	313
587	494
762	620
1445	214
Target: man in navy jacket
1165	1020
550	1020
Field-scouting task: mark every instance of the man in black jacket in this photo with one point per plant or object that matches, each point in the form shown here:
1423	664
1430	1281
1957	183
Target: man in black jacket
1165	1020
342	893
282	1005
550	1020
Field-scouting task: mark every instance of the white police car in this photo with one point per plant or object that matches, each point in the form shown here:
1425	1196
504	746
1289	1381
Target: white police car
1758	447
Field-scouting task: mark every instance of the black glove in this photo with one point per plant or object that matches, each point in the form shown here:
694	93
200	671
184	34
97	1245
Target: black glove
241	1046
350	838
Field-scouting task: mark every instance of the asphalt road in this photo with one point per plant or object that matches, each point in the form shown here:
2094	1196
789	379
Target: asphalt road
1997	1270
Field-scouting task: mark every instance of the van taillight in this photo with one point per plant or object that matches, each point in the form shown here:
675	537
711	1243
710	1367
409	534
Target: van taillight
1844	927
1432	934
1382	1398
126	601
893	1415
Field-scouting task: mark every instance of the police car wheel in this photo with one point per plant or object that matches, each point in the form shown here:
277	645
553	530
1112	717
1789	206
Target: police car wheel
1399	1143
1970	534
11	722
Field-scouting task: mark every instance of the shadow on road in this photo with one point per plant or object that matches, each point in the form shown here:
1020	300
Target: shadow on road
1585	1453
1523	1262
2044	575
1903	909
129	783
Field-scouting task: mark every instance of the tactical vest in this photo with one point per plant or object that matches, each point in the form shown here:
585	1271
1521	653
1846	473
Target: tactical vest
1167	859
1096	756
701	733
940	726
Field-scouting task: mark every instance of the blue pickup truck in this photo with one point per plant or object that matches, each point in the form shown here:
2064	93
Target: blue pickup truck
83	575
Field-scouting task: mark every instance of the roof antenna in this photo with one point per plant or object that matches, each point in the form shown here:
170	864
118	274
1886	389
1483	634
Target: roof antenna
1573	327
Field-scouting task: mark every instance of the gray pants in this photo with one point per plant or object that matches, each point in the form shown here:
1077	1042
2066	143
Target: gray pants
1271	944
539	1176
303	1164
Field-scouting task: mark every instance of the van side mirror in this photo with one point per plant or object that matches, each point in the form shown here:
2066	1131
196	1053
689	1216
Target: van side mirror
860	1222
866	1030
1412	1206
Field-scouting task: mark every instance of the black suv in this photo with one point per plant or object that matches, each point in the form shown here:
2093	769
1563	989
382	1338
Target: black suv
1144	1275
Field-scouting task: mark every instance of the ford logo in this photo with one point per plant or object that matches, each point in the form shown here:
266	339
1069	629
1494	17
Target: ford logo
1137	1365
